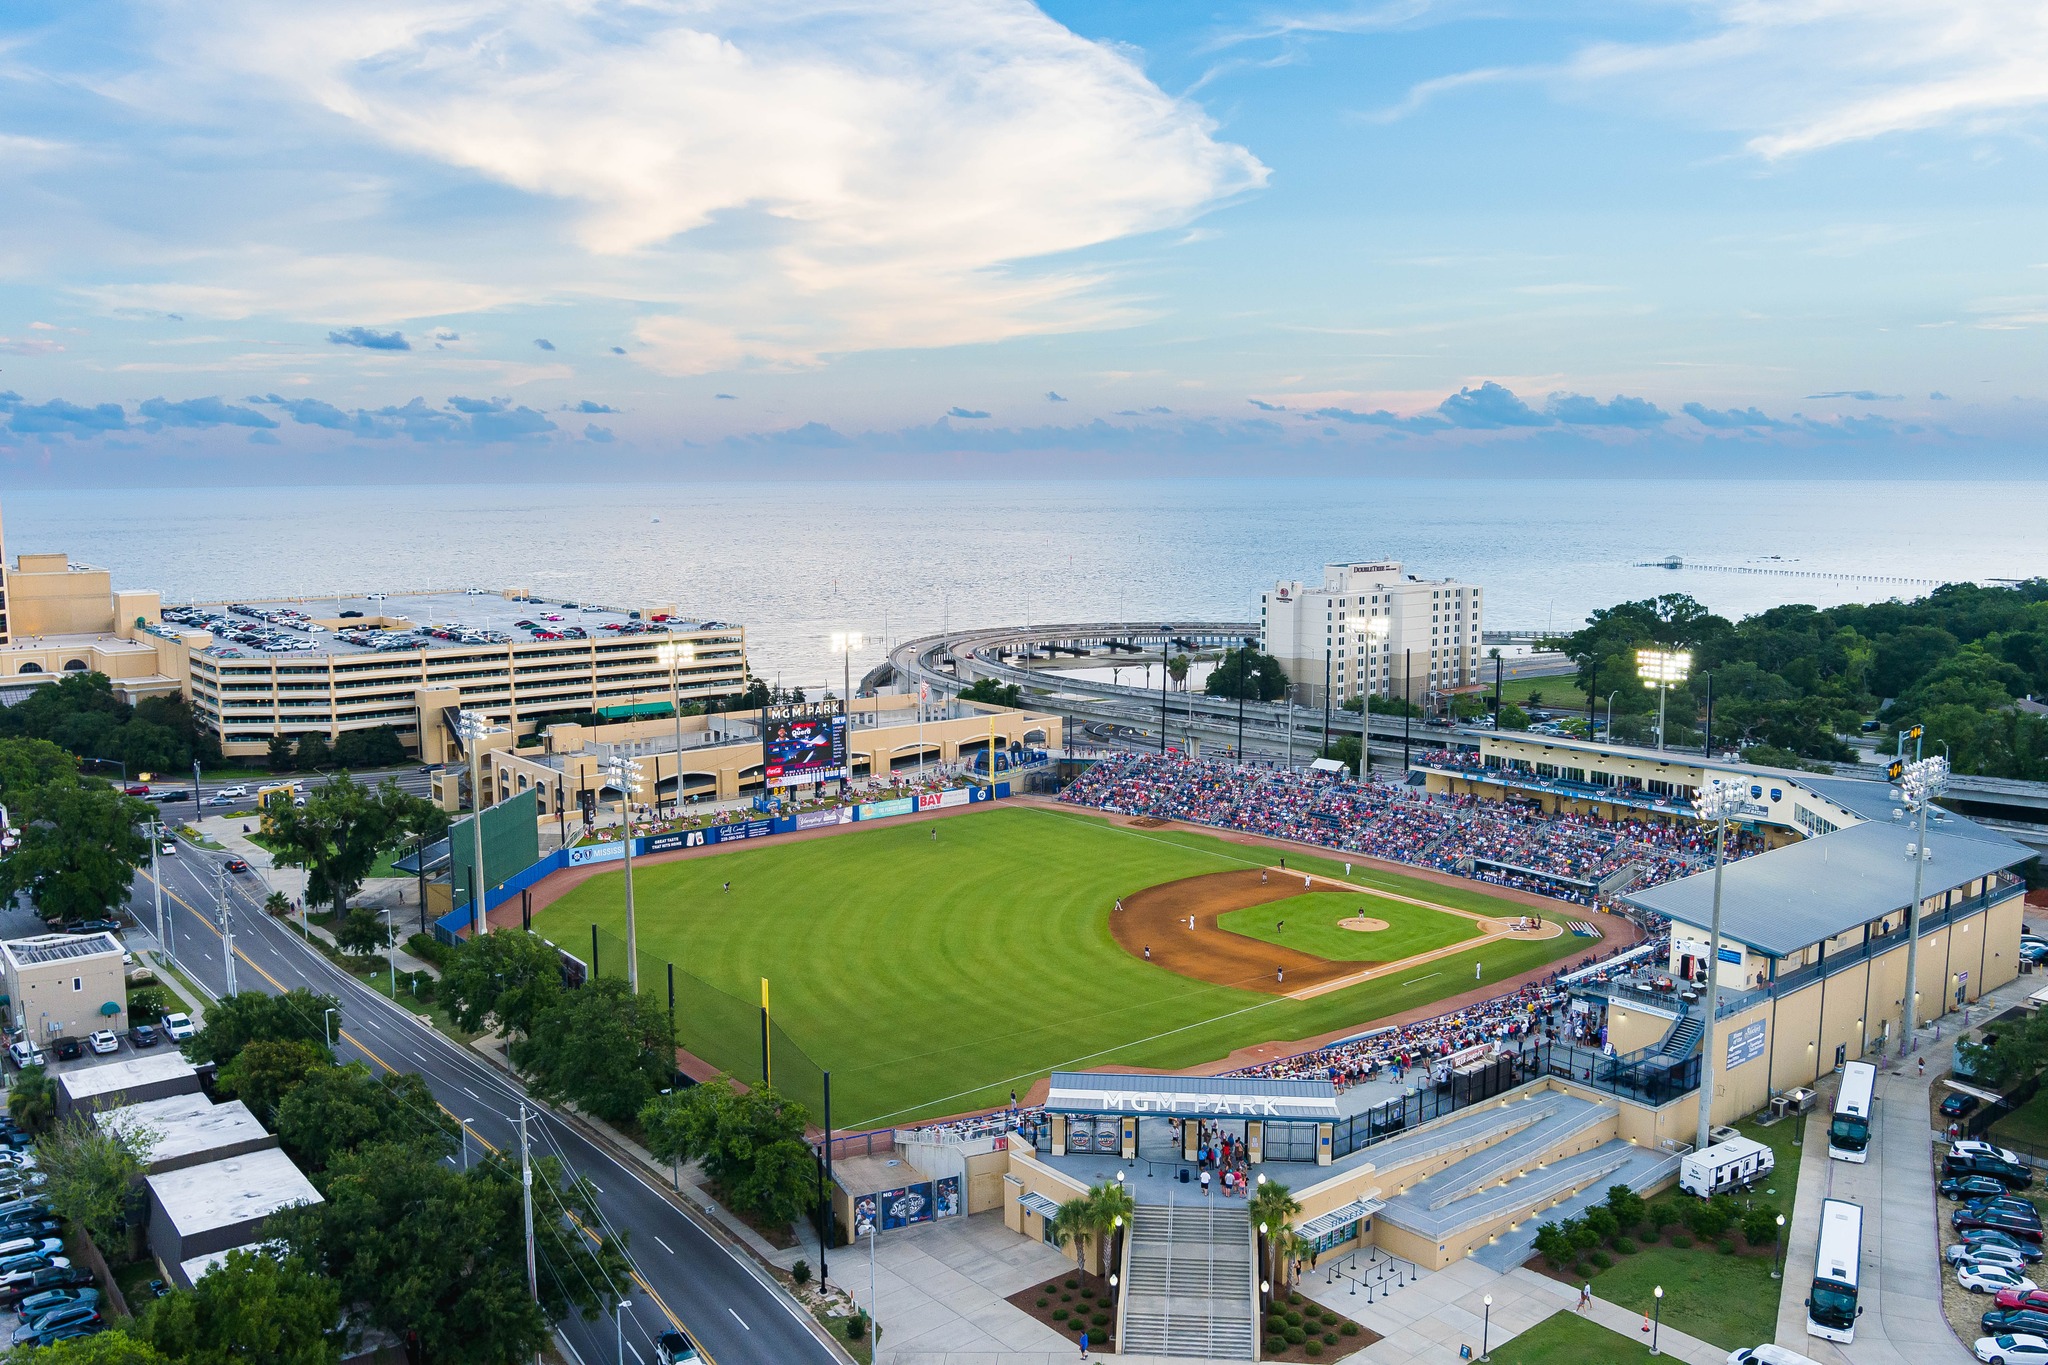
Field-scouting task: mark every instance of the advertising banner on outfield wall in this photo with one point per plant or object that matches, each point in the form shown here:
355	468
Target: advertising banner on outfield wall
596	853
816	819
883	810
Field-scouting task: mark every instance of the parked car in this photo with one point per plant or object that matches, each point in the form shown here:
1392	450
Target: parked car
1975	1276
237	865
36	1304
14	1288
142	1035
178	1027
25	1053
40	1227
1992	1237
674	1347
1768	1354
30	1246
1979	1147
2009	1173
30	1262
1957	1105
104	1042
68	1331
2030	1320
68	1049
1998	1256
2008	1203
70	1315
2012	1350
1969	1187
96	926
168	847
135	789
232	793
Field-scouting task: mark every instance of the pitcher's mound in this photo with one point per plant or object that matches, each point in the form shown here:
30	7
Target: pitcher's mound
1362	924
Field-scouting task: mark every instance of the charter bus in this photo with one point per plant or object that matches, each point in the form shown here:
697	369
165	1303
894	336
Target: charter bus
1831	1310
1849	1134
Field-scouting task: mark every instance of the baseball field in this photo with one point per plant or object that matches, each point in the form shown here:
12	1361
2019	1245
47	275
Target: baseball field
934	975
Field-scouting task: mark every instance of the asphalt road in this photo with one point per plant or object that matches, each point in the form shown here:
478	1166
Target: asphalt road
410	778
681	1273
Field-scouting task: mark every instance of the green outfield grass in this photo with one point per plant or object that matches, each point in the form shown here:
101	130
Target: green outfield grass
1311	922
932	977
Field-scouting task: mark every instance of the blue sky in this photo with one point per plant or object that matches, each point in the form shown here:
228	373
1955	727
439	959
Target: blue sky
719	235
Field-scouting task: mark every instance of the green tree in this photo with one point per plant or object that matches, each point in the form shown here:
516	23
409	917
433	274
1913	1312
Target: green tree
1602	1221
1072	1224
92	1172
501	981
80	845
1627	1206
360	931
989	692
111	1347
751	1144
338	835
265	1071
277	905
250	1307
1274	1208
235	1021
339	1109
1760	1225
313	752
1512	717
280	759
1113	1206
1247	673
1178	667
32	1102
437	1256
1554	1244
601	1048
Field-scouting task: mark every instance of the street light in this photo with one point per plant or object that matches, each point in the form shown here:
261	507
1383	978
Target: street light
1486	1328
1919	783
1657	1330
465	1141
1778	1256
670	655
1608	731
626	773
1661	670
327	1024
619	1322
1719	800
472	726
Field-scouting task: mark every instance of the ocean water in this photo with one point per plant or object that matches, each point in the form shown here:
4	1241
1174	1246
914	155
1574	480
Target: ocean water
798	561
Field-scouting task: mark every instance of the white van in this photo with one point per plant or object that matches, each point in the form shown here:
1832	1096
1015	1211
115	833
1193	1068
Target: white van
1730	1165
1767	1354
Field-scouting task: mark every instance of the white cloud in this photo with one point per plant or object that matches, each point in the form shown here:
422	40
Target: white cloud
811	177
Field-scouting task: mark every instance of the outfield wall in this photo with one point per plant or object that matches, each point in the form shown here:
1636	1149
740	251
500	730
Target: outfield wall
450	927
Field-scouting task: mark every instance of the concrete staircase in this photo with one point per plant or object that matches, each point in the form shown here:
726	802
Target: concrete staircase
1684	1036
1189	1284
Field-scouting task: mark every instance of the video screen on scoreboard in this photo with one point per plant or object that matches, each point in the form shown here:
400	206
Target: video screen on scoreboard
804	743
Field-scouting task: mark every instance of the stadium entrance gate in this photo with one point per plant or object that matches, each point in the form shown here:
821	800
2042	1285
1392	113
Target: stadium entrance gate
1170	1118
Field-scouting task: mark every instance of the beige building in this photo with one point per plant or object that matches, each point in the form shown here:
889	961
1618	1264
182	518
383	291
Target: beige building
257	669
719	757
65	985
1369	626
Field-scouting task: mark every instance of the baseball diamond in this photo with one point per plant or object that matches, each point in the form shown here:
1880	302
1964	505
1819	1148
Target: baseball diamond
934	976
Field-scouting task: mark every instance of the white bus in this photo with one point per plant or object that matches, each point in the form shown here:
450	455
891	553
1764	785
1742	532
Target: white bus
1831	1310
1849	1134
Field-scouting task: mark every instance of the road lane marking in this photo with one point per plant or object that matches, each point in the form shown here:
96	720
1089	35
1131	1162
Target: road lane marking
738	1319
664	1245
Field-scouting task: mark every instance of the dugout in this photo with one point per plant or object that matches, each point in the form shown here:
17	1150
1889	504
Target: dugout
1168	1118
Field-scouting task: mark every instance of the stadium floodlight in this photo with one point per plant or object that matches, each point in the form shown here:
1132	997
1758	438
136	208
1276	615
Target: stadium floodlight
1721	800
1919	783
472	726
844	642
1371	634
672	655
625	775
1661	670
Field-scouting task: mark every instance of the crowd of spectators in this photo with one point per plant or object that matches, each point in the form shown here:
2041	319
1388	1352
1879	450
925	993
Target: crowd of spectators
1507	843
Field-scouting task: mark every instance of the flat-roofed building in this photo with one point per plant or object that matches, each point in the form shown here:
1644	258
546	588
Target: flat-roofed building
188	1130
123	1081
258	669
65	985
198	1211
1370	627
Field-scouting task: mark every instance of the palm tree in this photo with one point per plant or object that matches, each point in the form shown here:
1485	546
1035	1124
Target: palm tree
1272	1212
1073	1222
1178	666
32	1102
1113	1205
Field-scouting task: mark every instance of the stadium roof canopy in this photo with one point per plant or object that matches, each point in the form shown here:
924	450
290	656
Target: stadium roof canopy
1804	893
1250	1097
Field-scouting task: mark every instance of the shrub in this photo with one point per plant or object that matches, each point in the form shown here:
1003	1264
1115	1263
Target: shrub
1760	1226
1087	1293
1602	1223
1066	1298
1624	1247
1626	1205
1293	1318
1553	1244
1073	1284
1662	1214
1709	1220
1680	1240
856	1326
1601	1259
1314	1348
1043	1302
1349	1329
1295	1336
1275	1345
1726	1246
1059	1315
1052	1289
801	1272
1099	1319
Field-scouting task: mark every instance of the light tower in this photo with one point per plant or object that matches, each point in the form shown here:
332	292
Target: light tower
1661	670
1720	801
1919	783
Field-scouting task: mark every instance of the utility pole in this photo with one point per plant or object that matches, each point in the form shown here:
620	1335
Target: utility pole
227	924
526	1186
626	772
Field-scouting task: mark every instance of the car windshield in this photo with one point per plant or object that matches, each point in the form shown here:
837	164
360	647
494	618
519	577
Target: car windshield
1832	1305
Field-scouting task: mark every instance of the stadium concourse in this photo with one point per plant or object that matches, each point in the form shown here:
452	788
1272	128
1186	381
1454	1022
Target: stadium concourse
1566	857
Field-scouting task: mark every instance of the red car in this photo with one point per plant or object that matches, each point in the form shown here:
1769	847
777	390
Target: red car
2023	1298
136	789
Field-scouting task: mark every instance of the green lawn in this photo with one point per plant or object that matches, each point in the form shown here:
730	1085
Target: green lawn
1567	1339
934	976
1312	920
1729	1301
2027	1125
